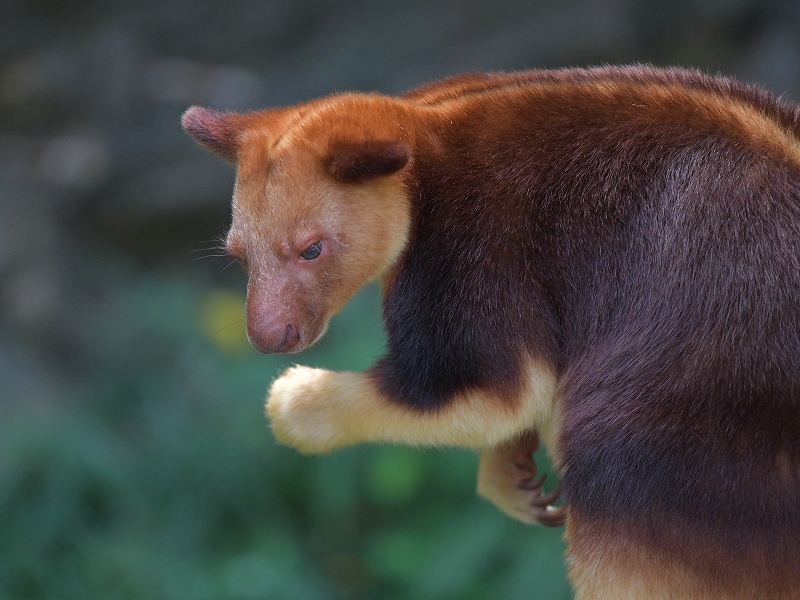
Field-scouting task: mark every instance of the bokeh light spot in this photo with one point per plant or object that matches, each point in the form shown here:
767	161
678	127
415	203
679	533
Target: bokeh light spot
222	319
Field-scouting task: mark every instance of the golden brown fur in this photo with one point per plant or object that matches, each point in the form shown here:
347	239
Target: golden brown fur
315	410
608	257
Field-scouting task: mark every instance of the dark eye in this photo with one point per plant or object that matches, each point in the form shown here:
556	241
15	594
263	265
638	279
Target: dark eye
312	251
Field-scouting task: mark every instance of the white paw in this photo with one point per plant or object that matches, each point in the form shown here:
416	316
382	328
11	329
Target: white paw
301	410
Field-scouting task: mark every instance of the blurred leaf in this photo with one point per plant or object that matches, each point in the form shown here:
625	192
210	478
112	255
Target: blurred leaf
538	569
395	475
461	549
397	554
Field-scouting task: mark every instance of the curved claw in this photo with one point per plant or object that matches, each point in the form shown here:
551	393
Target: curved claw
543	500
553	516
543	512
507	476
534	483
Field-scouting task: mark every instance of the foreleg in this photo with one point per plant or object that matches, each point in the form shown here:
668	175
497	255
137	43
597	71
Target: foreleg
315	410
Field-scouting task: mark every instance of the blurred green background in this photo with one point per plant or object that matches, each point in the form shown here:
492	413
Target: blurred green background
135	460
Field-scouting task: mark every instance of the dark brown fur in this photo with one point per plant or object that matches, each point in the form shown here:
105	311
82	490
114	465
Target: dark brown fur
353	163
654	256
637	232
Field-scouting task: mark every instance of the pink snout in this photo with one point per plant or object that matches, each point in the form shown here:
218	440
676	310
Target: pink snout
272	335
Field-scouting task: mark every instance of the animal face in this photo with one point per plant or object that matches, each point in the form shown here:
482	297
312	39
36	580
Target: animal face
314	220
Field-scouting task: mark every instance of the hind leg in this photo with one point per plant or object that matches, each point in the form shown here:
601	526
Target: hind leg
507	477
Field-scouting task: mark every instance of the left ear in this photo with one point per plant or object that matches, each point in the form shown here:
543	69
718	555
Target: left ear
351	162
217	131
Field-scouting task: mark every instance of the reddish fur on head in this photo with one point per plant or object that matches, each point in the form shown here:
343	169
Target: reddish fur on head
297	188
217	131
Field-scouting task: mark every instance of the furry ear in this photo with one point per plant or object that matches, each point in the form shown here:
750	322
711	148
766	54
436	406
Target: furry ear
217	131
352	162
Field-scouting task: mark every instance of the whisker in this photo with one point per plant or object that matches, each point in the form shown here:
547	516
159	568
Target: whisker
233	262
209	256
215	244
235	323
209	259
218	242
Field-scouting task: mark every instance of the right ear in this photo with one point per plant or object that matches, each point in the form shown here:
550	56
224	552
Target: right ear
351	162
217	131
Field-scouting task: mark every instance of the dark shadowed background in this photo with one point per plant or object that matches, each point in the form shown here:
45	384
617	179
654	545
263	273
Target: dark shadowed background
135	460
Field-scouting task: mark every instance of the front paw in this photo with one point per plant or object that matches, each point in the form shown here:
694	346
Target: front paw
302	410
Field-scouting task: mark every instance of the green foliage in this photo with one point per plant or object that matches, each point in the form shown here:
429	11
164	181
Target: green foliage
161	480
